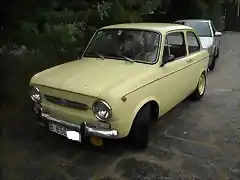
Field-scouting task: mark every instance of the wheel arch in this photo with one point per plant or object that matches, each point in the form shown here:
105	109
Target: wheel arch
155	107
204	72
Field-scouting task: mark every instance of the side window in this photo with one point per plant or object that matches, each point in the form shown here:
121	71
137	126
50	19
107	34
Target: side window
175	45
193	43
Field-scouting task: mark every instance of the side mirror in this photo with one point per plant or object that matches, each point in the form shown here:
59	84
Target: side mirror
167	59
218	33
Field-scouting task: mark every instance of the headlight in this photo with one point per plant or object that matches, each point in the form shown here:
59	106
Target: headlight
102	110
35	94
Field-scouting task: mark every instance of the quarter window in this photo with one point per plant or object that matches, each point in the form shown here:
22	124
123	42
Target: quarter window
193	43
175	45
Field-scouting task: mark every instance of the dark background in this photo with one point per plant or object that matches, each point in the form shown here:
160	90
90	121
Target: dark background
35	35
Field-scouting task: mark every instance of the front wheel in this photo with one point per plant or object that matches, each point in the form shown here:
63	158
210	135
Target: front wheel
200	89
139	133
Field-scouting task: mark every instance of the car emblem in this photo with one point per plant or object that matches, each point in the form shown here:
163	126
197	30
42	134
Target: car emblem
63	102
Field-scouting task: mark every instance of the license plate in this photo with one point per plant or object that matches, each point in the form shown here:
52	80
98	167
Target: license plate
62	131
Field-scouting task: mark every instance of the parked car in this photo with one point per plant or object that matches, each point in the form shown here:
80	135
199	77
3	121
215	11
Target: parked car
209	37
129	75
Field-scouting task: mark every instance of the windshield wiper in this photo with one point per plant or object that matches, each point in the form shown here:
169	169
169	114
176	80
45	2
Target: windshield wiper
95	54
100	56
128	59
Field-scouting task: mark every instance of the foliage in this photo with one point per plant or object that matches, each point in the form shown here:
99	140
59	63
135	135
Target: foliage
57	31
64	25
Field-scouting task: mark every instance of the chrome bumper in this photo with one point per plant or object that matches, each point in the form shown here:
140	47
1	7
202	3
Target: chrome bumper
84	129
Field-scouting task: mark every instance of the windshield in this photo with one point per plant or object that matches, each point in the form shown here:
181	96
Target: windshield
125	44
202	28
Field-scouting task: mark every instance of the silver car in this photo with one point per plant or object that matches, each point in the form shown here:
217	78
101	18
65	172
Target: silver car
209	37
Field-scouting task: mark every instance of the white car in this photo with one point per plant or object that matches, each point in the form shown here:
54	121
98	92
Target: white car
209	37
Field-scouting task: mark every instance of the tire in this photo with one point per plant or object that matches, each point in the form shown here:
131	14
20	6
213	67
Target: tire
139	133
200	89
217	55
212	66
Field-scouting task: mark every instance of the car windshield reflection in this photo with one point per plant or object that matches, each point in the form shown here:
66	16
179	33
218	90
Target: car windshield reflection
125	44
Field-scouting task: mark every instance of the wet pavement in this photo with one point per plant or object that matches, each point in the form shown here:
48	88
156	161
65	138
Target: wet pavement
196	140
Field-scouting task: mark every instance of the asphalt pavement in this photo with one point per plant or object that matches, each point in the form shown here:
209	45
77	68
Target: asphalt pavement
196	140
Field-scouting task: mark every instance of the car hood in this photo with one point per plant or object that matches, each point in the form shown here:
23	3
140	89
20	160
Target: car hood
206	42
92	76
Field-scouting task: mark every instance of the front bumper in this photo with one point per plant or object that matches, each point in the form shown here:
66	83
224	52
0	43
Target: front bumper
84	129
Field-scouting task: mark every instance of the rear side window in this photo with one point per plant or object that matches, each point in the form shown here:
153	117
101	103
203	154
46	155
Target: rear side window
193	43
175	45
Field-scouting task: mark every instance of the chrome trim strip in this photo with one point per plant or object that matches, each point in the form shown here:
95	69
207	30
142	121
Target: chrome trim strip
164	76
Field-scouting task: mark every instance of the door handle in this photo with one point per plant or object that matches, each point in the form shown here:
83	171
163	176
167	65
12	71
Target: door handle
189	60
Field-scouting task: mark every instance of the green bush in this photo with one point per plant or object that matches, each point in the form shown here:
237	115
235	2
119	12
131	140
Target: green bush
56	32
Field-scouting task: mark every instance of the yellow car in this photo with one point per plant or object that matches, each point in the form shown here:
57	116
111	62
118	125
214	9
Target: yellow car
128	75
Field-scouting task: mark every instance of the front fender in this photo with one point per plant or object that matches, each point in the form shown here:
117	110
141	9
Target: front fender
142	103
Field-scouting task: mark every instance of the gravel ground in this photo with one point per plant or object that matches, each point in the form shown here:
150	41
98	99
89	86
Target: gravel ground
196	140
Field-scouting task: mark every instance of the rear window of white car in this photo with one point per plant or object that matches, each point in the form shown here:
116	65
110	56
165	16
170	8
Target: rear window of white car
202	28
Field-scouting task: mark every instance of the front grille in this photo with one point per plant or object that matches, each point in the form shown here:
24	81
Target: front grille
66	103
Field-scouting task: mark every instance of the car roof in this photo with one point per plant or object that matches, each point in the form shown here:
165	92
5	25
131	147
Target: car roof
196	20
160	27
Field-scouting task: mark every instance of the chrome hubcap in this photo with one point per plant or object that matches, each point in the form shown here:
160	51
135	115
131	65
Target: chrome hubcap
201	85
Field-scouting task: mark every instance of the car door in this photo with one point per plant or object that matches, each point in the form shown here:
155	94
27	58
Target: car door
216	40
175	75
195	56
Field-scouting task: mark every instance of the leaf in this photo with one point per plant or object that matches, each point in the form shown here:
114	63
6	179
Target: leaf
150	6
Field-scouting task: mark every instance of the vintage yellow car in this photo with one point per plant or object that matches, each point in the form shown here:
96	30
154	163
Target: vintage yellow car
128	75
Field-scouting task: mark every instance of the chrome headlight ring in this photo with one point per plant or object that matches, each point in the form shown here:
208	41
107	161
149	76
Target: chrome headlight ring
35	94
102	110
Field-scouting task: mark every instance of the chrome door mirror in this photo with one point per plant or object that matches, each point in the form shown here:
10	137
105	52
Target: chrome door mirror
218	33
